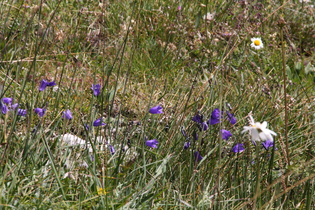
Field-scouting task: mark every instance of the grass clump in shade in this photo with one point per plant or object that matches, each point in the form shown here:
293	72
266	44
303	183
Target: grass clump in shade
151	105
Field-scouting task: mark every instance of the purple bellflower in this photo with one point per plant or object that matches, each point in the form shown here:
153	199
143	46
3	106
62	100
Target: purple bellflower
225	134
198	157
6	105
231	117
187	145
152	143
198	118
267	144
111	149
98	122
156	110
67	114
45	83
182	129
238	148
96	89
21	112
215	117
195	135
14	106
41	112
7	101
3	107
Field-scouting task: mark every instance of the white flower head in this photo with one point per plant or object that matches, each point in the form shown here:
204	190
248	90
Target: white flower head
72	140
55	88
209	16
256	43
259	131
305	1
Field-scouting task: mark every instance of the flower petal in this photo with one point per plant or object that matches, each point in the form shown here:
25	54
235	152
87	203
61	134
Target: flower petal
156	110
67	114
152	143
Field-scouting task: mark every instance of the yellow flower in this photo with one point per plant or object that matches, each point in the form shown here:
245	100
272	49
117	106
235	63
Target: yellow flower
101	191
256	43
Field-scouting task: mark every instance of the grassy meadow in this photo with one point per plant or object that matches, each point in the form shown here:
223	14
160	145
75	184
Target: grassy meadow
142	104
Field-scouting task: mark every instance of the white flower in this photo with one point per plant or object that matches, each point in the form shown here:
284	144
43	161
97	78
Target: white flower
55	88
259	131
72	140
256	43
209	16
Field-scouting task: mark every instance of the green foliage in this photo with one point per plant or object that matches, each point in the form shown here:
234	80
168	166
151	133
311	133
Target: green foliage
144	54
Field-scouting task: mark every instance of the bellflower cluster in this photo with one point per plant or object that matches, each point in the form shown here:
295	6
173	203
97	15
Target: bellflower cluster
6	105
217	115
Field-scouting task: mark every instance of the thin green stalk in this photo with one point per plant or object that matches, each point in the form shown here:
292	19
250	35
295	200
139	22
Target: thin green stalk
256	201
285	91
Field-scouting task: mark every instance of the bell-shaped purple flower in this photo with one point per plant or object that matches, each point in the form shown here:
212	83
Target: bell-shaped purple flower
14	106
238	148
111	149
152	143
182	129
204	126
187	145
156	110
231	117
195	135
267	144
198	118
198	157
7	101
226	134
21	112
215	117
3	107
67	114
41	112
98	122
45	83
96	89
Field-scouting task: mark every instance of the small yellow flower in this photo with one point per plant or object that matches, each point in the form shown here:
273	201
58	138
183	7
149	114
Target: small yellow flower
256	43
101	191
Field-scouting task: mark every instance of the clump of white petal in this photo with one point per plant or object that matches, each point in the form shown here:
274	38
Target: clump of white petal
259	131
